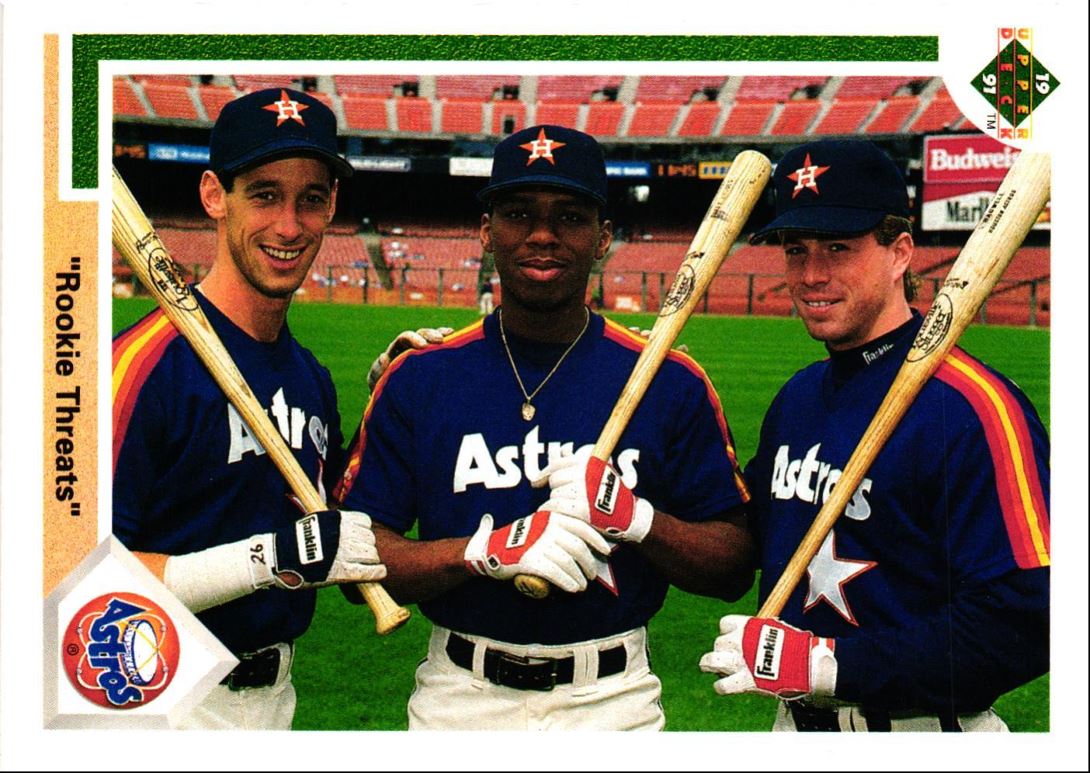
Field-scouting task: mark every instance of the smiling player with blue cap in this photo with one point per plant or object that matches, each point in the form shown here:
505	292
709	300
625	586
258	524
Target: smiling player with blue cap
482	442
194	494
929	598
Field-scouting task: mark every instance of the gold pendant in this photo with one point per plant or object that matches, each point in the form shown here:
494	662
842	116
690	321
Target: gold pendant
527	411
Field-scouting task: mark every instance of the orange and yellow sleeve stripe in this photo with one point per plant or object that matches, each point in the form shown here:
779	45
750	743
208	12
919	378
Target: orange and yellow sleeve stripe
1021	496
135	354
456	339
623	336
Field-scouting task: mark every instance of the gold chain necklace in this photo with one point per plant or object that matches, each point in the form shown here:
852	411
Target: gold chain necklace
528	410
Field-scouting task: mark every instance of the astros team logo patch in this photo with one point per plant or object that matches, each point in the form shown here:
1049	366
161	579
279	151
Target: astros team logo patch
542	147
120	650
287	109
806	177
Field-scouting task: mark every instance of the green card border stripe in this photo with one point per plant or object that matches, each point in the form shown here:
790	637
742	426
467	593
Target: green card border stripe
89	50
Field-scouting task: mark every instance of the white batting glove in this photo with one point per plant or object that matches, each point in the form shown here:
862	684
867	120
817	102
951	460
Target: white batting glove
590	490
548	545
767	656
322	548
405	340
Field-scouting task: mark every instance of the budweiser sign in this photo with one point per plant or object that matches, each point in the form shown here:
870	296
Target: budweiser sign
966	158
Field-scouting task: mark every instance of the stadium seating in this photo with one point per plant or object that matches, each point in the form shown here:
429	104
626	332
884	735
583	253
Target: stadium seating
940	114
461	116
508	115
845	116
574	88
796	117
652	119
873	87
747	118
480	87
414	114
776	88
893	115
674	88
213	98
371	85
558	113
247	83
365	112
700	119
125	100
170	100
603	118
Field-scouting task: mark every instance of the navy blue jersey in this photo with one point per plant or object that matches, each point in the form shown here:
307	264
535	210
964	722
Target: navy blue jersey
443	442
940	554
188	474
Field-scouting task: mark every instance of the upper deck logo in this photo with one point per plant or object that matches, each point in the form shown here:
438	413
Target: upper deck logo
1014	83
120	650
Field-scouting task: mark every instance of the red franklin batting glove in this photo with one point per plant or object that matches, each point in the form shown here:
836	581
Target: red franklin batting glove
555	547
589	489
764	655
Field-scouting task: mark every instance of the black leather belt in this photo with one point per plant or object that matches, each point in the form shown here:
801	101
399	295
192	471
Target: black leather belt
524	673
255	669
879	719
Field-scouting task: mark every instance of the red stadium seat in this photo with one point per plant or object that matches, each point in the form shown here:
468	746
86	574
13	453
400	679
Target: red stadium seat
371	85
574	88
776	87
368	113
248	83
796	117
557	113
508	116
747	118
674	88
874	87
845	116
462	116
170	100
892	118
125	100
160	78
940	113
482	87
214	98
413	114
701	119
652	119
603	118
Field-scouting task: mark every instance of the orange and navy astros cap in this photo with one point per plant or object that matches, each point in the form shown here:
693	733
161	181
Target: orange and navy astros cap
839	187
553	156
274	123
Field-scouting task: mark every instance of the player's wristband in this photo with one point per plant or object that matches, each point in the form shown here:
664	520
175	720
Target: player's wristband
208	578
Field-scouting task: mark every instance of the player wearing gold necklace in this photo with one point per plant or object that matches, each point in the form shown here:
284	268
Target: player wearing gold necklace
464	439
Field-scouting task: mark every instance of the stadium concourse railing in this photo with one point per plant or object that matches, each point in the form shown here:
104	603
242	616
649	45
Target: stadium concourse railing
1012	302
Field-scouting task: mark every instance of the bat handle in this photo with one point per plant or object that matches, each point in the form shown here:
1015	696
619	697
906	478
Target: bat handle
389	615
532	586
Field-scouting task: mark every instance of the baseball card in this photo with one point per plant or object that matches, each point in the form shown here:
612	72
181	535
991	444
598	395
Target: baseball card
215	219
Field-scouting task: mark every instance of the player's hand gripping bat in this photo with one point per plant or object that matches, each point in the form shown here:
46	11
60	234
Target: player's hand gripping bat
136	240
728	212
997	236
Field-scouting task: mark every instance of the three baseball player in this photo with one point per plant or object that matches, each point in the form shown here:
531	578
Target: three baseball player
481	444
929	598
194	495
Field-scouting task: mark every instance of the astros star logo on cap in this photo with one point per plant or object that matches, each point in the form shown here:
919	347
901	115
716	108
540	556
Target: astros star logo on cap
806	176
287	109
542	147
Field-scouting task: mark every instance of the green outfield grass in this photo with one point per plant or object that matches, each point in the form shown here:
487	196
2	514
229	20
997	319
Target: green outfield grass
349	678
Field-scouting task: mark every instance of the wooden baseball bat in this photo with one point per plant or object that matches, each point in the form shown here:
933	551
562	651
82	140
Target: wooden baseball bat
726	215
140	246
1012	212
